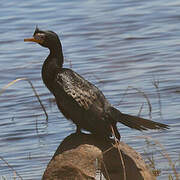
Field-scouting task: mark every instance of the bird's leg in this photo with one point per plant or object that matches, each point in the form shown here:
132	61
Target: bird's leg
115	132
118	138
78	129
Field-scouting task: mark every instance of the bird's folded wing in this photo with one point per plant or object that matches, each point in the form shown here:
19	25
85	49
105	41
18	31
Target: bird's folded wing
77	88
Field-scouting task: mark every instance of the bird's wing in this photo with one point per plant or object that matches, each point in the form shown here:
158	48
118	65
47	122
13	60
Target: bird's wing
80	90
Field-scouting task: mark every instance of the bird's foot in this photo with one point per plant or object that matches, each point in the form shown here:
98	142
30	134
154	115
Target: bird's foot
78	130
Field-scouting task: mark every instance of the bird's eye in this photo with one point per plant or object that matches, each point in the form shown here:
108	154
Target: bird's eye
39	36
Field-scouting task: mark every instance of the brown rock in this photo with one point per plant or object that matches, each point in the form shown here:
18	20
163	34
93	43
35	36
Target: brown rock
78	163
77	157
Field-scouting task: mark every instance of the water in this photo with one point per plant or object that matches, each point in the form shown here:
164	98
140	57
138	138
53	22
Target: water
111	43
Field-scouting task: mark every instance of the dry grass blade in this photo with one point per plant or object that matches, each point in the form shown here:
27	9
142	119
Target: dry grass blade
139	113
164	154
120	154
104	152
106	170
143	94
34	90
147	99
14	171
156	85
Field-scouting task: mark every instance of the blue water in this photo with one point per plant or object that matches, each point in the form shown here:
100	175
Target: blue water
114	44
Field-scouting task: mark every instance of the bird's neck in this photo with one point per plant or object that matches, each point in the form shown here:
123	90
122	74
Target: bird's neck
51	66
56	55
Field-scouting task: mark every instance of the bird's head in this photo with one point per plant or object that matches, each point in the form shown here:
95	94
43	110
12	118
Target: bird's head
45	38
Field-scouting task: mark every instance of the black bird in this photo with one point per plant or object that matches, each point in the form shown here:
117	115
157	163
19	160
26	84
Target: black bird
78	99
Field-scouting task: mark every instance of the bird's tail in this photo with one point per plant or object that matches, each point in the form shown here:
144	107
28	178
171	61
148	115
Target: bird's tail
135	122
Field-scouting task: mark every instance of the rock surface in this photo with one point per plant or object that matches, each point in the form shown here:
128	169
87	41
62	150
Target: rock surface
79	157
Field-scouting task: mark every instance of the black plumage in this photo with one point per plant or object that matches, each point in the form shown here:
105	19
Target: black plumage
78	99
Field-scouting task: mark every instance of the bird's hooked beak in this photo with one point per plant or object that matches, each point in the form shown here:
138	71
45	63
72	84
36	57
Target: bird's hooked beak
38	38
33	40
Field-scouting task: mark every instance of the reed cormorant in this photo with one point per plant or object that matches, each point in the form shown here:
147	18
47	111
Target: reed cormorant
78	99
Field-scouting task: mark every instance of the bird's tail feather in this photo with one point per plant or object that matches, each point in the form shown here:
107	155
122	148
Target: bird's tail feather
135	122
